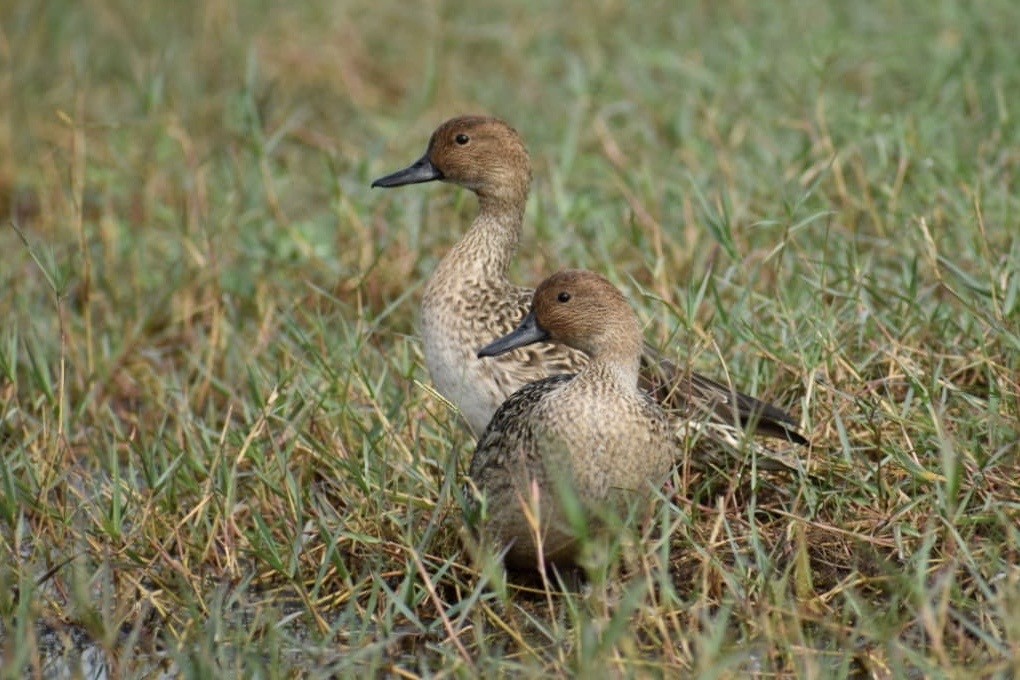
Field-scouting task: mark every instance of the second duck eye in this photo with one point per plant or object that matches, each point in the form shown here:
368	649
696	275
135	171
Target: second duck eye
563	297
462	139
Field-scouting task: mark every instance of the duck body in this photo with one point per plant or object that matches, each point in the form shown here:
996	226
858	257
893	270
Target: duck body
448	321
534	445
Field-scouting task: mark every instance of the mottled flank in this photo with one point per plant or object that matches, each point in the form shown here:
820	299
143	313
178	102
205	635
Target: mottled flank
469	300
595	434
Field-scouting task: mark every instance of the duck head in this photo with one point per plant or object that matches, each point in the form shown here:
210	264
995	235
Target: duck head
479	153
581	309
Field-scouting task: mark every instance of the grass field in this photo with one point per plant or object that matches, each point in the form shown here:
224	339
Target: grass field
221	454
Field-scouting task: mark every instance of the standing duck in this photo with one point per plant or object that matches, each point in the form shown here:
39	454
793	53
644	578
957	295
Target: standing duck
469	299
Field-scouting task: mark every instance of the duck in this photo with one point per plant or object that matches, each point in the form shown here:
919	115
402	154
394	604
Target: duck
469	297
595	434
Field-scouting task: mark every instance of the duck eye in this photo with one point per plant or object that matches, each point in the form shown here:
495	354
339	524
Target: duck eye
462	139
563	297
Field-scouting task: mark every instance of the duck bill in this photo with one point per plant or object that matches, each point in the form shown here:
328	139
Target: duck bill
527	333
422	170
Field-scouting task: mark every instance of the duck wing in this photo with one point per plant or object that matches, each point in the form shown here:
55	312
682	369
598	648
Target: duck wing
698	396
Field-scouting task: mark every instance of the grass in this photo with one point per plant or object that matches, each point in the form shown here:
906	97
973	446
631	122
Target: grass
221	454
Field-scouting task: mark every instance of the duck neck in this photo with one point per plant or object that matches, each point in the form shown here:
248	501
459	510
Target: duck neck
483	256
620	366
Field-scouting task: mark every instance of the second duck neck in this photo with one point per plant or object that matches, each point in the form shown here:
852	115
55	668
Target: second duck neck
620	370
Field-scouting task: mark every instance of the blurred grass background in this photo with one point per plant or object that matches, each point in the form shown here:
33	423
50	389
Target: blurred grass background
220	453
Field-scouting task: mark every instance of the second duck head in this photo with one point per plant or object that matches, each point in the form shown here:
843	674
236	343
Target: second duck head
583	310
480	153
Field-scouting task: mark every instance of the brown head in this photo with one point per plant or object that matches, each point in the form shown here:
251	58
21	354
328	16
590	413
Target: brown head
479	153
583	310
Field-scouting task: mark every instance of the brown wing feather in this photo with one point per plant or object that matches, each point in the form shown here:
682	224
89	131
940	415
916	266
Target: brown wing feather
694	394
